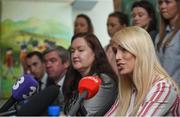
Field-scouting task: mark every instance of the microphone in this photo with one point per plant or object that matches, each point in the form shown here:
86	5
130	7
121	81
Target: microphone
87	87
25	86
39	102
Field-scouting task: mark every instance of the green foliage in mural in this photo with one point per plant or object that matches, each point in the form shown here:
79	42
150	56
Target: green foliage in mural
33	34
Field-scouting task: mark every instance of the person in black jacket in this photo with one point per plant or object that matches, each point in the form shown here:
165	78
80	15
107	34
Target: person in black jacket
144	15
36	66
57	61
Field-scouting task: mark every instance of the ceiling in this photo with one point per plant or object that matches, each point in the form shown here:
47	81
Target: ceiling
67	1
76	4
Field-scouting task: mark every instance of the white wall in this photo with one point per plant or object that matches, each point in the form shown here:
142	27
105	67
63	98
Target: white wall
98	15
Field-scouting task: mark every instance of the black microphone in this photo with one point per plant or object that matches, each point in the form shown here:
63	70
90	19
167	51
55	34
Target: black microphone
39	102
21	90
87	87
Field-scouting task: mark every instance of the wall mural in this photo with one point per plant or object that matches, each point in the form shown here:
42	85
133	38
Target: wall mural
28	26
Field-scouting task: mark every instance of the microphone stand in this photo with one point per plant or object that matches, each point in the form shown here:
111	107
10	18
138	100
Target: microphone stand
76	106
8	113
7	105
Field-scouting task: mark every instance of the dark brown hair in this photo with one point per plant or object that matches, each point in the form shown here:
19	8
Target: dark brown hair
88	20
100	64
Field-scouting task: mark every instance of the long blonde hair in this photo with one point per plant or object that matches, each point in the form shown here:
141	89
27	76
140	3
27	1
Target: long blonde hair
139	43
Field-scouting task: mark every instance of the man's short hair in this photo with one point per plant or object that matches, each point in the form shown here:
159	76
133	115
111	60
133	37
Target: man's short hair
62	52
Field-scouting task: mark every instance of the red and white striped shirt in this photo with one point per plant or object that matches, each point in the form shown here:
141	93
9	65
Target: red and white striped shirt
162	100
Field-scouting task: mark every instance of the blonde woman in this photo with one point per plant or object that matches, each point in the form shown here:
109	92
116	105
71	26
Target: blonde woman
145	88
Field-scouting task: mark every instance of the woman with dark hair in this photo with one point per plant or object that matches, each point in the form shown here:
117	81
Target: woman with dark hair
168	40
88	58
143	15
115	22
83	24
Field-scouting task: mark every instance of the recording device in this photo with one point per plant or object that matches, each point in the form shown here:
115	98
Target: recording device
87	87
24	87
39	102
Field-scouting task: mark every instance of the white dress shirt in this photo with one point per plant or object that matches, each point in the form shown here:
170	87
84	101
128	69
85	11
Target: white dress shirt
44	81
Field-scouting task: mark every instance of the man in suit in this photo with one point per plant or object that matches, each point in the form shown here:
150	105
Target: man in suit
37	68
57	60
54	62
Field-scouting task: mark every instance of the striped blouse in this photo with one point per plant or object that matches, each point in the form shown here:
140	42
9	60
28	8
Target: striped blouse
162	100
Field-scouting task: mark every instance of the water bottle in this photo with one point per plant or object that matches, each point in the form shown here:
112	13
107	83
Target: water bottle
54	110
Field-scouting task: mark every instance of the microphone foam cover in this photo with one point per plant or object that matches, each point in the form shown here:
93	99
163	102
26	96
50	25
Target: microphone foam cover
38	103
91	84
24	87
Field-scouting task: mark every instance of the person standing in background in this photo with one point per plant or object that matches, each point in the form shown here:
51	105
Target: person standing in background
116	21
9	62
168	40
143	15
145	89
22	57
82	24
